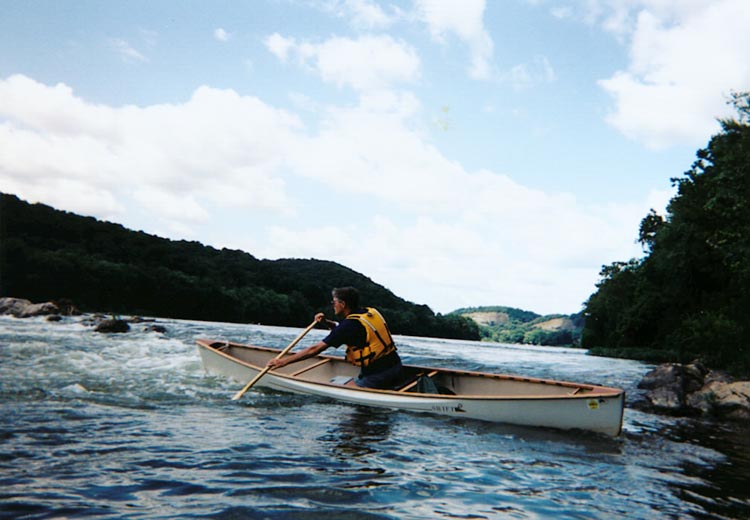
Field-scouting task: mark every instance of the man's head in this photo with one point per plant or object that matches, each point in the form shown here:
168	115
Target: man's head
345	298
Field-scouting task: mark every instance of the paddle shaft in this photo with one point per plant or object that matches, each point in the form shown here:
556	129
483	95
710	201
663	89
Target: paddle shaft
281	354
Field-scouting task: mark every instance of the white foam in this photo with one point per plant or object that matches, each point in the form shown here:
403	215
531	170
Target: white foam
76	388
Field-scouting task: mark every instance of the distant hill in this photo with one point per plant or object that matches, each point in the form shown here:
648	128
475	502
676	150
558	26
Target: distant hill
511	325
48	254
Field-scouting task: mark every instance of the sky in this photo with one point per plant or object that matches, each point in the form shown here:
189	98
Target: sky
460	153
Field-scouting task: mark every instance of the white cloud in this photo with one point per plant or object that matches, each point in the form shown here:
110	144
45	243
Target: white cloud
363	14
527	75
464	20
620	16
537	256
148	37
126	51
468	237
221	35
172	160
280	46
369	62
176	208
561	12
685	58
434	231
232	170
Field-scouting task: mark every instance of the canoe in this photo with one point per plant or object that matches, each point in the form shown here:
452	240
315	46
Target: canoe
483	396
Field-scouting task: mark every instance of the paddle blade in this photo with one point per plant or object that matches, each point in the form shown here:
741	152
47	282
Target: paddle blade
239	394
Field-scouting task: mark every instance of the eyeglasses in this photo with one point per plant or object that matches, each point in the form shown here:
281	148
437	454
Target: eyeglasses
335	301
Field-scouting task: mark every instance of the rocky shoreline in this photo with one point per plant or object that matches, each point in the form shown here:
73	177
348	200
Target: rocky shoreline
21	308
694	390
54	311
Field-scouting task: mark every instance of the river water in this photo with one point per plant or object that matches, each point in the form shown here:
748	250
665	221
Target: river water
130	426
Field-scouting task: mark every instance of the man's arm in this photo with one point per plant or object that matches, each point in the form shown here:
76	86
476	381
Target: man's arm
309	352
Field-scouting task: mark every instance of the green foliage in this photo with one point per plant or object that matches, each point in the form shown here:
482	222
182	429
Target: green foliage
689	296
46	254
523	327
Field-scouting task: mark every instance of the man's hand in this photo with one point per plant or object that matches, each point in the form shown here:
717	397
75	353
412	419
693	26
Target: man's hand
309	352
321	318
276	363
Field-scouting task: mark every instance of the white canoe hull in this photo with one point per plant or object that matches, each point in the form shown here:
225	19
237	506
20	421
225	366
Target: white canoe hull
472	395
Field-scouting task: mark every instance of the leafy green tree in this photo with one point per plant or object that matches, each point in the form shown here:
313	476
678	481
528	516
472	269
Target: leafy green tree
689	296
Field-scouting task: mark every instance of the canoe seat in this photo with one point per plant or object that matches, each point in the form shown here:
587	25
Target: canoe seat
415	381
341	380
221	347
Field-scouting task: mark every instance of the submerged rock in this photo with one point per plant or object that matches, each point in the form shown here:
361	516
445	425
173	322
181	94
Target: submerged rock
161	329
112	326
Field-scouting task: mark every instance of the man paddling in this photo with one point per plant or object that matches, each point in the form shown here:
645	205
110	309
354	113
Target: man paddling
368	341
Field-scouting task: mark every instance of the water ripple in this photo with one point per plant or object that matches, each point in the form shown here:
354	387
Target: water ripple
130	426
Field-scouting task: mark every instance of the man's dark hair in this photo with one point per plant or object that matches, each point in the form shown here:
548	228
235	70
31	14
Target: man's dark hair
348	295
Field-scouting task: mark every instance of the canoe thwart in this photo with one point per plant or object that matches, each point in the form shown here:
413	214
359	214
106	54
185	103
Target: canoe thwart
314	365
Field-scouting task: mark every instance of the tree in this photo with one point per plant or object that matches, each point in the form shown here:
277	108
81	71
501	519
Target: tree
690	294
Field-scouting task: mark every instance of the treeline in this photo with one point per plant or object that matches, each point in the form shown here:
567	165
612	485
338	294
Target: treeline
47	254
512	325
689	297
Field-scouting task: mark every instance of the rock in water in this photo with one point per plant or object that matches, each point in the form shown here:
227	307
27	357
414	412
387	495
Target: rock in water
109	326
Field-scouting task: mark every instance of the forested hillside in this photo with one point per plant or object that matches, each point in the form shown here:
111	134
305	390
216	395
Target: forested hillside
511	325
689	297
47	254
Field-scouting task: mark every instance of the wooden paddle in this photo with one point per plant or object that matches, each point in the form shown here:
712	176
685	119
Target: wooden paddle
281	354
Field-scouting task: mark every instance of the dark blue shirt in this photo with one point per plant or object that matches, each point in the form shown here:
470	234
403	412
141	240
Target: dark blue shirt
348	332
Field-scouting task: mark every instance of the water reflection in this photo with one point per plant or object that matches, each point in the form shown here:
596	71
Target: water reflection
714	461
360	432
